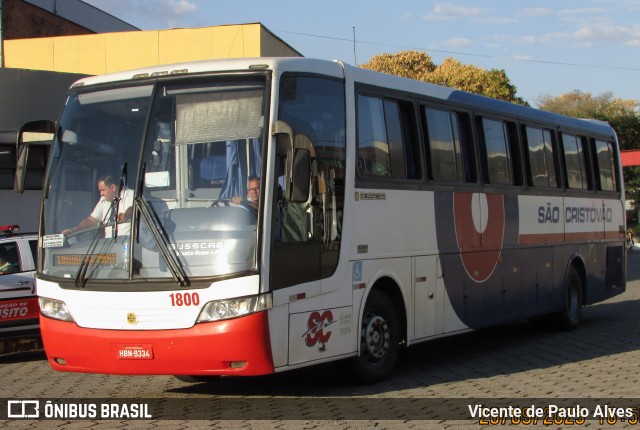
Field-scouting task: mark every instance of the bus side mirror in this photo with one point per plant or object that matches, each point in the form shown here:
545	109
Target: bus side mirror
30	133
284	138
298	162
298	192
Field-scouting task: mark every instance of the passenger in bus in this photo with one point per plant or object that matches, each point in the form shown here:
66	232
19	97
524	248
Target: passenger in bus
253	196
102	212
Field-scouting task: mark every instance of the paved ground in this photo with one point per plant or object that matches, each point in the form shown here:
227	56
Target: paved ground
594	365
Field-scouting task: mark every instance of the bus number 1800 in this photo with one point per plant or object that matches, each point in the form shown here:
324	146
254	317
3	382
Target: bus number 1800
185	299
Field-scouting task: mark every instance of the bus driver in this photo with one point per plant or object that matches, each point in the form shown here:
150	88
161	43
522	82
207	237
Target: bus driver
108	191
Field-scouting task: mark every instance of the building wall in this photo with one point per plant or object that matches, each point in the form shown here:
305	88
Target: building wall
21	20
32	95
273	45
84	14
112	52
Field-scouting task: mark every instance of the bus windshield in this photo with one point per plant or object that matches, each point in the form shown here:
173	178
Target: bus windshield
156	182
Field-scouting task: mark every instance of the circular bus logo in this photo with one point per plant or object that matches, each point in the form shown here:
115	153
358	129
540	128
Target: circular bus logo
479	227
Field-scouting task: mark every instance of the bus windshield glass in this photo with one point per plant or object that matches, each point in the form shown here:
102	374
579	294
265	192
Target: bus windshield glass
156	182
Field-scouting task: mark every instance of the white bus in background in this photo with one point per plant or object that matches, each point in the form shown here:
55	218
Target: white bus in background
19	221
22	208
392	212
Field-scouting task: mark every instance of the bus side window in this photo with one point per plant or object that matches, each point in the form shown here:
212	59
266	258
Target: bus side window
496	151
575	166
36	166
307	235
449	146
605	163
7	166
468	147
542	171
386	139
515	148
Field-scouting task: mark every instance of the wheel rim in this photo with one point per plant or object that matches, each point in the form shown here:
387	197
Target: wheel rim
375	338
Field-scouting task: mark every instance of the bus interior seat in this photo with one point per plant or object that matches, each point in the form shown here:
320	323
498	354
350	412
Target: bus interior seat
213	170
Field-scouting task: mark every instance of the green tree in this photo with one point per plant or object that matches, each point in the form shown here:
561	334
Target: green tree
408	64
492	83
579	104
452	73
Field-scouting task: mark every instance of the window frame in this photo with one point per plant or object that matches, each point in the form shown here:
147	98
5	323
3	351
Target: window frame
552	183
463	154
512	145
611	151
34	175
584	161
408	150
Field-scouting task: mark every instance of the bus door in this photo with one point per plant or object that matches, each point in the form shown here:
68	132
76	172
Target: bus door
502	259
614	228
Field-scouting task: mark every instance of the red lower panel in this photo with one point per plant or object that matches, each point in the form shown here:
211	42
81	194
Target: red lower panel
205	349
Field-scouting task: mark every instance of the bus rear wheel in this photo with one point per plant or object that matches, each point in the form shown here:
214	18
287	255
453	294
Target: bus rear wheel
379	340
571	314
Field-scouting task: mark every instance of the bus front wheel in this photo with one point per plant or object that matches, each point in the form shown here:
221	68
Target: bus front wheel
379	340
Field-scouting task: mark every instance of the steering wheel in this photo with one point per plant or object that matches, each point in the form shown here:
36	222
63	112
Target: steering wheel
83	235
228	203
221	203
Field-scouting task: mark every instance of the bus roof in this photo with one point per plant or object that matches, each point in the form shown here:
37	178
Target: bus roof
528	113
481	103
204	66
338	69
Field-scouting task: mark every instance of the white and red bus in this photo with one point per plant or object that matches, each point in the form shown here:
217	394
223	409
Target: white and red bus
391	212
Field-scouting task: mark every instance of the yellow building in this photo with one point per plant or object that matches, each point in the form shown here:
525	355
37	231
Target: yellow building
96	54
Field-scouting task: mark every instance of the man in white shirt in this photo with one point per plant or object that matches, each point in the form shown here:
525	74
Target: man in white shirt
102	212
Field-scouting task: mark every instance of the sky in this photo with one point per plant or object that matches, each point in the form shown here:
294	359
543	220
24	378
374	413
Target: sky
546	47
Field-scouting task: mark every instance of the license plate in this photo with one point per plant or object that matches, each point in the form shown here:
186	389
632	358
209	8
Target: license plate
134	352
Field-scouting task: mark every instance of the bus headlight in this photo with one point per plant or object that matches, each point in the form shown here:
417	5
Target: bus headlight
233	308
54	309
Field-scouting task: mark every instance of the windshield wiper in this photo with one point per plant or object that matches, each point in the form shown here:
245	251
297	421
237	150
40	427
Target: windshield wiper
81	275
170	258
117	198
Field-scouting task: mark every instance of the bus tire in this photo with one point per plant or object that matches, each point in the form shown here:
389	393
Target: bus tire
571	314
379	340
